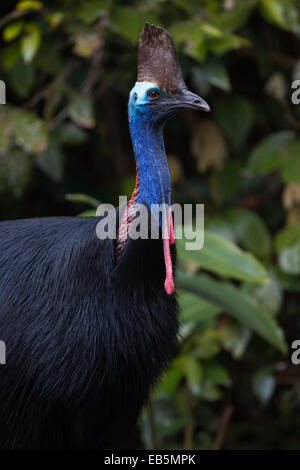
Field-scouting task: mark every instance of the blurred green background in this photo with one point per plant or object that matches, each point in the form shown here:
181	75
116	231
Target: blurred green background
64	146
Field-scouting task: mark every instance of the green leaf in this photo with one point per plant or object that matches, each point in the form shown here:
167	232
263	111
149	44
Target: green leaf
267	155
29	4
286	237
283	13
236	117
129	21
268	296
251	231
236	339
30	131
236	302
216	74
12	30
91	10
81	110
84	199
88	213
193	372
30	43
226	42
217	374
21	88
195	309
71	135
191	35
5	127
171	378
4	139
234	18
51	162
15	171
220	225
290	164
222	257
207	344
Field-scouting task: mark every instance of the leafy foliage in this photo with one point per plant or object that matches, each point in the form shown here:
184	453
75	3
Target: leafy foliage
68	67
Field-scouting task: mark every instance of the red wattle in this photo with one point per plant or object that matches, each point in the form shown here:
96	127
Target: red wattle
169	282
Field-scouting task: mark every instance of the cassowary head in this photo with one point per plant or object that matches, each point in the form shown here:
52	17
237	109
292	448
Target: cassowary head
160	89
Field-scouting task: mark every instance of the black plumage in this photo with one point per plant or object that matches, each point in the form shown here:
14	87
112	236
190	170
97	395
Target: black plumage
85	337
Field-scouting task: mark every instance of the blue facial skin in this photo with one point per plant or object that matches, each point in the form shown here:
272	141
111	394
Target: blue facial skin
146	121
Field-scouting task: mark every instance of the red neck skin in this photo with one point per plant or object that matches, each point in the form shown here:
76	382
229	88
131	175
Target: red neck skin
168	236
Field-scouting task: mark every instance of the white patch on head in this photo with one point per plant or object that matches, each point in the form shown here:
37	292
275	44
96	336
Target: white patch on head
141	89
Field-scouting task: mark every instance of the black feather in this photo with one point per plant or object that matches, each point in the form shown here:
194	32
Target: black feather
86	337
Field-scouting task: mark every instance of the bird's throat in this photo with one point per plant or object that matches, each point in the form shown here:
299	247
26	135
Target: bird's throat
153	186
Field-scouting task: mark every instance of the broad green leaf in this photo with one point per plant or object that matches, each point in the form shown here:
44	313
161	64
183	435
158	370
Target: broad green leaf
210	392
21	88
237	303
51	162
283	13
81	110
55	18
12	30
217	374
5	127
226	43
251	231
207	344
192	370
221	226
222	257
29	4
71	135
236	339
129	21
171	379
216	74
190	34
286	237
267	155
235	115
195	309
30	131
10	56
4	139
30	43
288	282
88	213
83	198
91	10
15	170
234	18
290	164
268	296
188	6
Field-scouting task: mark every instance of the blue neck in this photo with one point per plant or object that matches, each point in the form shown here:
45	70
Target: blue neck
152	166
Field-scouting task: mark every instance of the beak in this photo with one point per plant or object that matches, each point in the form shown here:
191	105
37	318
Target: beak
187	99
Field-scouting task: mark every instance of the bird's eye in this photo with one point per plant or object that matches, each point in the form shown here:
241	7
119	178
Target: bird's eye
153	94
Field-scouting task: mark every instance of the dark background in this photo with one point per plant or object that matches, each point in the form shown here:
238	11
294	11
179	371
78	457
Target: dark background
65	146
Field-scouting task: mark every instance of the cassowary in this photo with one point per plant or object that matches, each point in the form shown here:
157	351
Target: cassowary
89	324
